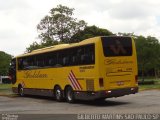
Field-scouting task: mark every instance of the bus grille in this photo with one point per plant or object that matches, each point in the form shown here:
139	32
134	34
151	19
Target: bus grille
90	85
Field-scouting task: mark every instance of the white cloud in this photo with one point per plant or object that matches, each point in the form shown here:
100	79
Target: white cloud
10	4
18	18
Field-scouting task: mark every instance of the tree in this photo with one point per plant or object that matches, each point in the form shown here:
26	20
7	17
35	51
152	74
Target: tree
147	49
155	59
126	34
35	45
59	25
88	32
4	63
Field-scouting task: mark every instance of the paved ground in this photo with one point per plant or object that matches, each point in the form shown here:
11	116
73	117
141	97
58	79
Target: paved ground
143	102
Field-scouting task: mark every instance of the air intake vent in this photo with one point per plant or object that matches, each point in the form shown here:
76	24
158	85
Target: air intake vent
90	85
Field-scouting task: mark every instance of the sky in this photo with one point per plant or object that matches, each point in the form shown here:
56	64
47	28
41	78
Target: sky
19	18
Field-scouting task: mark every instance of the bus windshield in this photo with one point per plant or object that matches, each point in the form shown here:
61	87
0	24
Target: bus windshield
117	46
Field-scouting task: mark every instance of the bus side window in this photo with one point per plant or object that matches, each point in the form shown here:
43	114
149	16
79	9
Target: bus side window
66	61
63	58
51	59
83	59
73	60
59	59
72	56
25	64
30	62
40	60
80	55
89	54
20	64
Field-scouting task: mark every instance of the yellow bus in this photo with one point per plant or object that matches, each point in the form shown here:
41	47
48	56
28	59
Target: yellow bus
95	68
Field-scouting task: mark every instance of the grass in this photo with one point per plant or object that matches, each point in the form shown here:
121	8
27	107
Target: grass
156	85
5	86
5	89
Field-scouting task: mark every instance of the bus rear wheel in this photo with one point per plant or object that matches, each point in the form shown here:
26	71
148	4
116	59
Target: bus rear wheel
70	95
58	93
21	91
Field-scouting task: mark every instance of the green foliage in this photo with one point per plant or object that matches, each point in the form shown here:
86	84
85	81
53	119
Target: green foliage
148	53
150	86
88	32
59	25
147	49
4	63
5	86
126	34
35	45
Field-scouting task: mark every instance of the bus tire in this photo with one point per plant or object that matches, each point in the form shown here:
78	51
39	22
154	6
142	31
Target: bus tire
58	94
70	95
21	91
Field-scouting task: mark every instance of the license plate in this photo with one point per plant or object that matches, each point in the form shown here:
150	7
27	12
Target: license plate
119	83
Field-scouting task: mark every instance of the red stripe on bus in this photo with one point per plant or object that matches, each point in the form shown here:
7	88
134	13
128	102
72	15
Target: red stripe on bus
72	82
76	80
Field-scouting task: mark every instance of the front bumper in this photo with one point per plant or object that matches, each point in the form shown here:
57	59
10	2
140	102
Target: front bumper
105	94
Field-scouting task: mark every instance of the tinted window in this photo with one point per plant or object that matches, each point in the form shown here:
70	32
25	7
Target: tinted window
50	59
89	54
73	56
21	63
82	55
63	58
117	46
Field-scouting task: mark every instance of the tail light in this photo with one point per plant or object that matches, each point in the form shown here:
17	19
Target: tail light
101	83
136	79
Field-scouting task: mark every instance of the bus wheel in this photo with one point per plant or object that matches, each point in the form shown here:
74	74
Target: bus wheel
21	91
58	93
70	95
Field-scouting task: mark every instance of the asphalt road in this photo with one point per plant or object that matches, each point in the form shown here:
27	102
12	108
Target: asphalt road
142	102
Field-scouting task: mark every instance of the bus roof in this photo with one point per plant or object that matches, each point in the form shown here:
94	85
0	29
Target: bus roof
60	46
